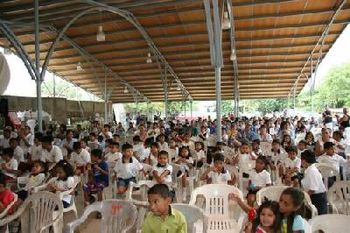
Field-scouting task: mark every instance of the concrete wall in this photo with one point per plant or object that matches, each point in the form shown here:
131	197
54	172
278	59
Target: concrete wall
59	108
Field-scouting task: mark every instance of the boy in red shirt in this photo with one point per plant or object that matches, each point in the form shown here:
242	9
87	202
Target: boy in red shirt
6	196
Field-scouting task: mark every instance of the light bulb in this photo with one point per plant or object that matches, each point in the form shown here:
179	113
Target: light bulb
226	24
126	90
149	58
79	67
233	56
100	34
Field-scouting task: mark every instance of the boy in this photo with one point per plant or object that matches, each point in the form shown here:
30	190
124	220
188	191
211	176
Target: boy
292	163
80	158
330	157
99	167
162	218
217	174
162	171
51	153
113	153
10	165
35	151
18	153
126	168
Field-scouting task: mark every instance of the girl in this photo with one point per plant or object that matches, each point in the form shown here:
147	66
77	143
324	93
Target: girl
286	141
291	200
310	140
173	150
200	155
151	159
64	181
163	170
267	218
186	162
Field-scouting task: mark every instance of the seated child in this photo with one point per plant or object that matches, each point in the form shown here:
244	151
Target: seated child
6	196
292	163
163	218
163	170
113	153
163	145
64	181
99	167
200	157
217	174
92	187
80	158
9	165
126	169
186	162
173	150
36	149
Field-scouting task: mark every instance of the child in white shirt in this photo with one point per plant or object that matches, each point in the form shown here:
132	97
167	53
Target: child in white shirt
113	154
173	150
330	157
163	145
163	170
9	165
80	158
199	156
217	174
292	163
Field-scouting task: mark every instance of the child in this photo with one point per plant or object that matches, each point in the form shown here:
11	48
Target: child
330	157
138	147
290	202
80	158
258	179
36	178
64	181
99	167
312	182
127	169
113	153
267	219
217	174
292	163
200	155
6	196
92	187
286	141
93	143
163	170
51	153
163	218
173	150
163	145
35	151
18	153
244	155
186	162
151	159
302	146
10	165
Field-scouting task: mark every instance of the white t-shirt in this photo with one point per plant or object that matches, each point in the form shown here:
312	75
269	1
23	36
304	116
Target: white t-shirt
160	170
13	165
5	142
245	163
335	160
173	153
313	180
52	156
113	157
65	185
34	181
260	179
296	163
127	170
18	154
30	139
219	178
36	152
200	155
81	159
163	146
184	165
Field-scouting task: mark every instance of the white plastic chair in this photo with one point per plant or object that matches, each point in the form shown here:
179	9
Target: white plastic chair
117	216
273	193
339	197
38	213
216	206
330	223
327	171
194	215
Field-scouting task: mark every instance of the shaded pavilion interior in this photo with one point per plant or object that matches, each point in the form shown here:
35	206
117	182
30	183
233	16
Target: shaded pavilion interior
277	44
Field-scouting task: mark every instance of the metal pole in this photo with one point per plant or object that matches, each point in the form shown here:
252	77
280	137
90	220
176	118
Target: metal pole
54	85
37	67
166	93
218	102
312	84
191	107
106	100
294	96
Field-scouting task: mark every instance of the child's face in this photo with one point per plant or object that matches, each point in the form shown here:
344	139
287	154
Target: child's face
267	217
92	138
219	165
275	146
162	139
172	144
37	168
184	153
128	153
286	204
154	150
159	205
60	173
244	149
13	144
292	155
162	159
94	158
255	146
259	165
113	148
330	151
301	146
6	158
198	146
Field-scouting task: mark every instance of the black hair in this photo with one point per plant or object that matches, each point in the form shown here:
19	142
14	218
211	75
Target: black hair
257	141
185	148
38	135
308	156
218	157
126	146
274	207
97	153
69	131
328	145
7	151
116	135
100	138
66	167
13	140
148	142
276	141
200	143
263	159
163	152
47	139
113	143
76	145
136	138
156	145
302	142
92	134
42	164
297	197
160	189
292	149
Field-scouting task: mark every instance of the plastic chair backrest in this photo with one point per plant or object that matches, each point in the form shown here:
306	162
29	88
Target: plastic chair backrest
38	213
327	171
216	198
192	214
117	216
330	223
339	197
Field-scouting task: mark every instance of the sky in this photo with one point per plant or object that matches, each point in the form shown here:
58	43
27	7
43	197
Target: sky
21	83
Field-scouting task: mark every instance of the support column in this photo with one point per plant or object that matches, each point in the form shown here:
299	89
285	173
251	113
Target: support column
37	67
218	103
106	100
166	93
191	108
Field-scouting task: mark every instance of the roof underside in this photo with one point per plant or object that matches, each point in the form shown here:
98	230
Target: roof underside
274	40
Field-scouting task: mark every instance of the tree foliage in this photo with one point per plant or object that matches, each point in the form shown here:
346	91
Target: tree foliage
266	105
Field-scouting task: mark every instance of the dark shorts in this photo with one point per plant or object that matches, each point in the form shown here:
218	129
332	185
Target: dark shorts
319	200
125	182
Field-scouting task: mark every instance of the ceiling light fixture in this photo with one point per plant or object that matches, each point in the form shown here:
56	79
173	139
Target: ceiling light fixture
100	37
126	90
226	24
79	67
149	58
233	56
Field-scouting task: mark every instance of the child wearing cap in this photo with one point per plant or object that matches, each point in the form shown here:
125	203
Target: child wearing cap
312	182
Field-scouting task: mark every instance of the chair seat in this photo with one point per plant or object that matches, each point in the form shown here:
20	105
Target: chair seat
219	225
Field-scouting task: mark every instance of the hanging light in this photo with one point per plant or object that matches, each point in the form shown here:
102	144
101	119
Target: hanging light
7	51
233	56
126	90
226	24
79	67
100	36
149	58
